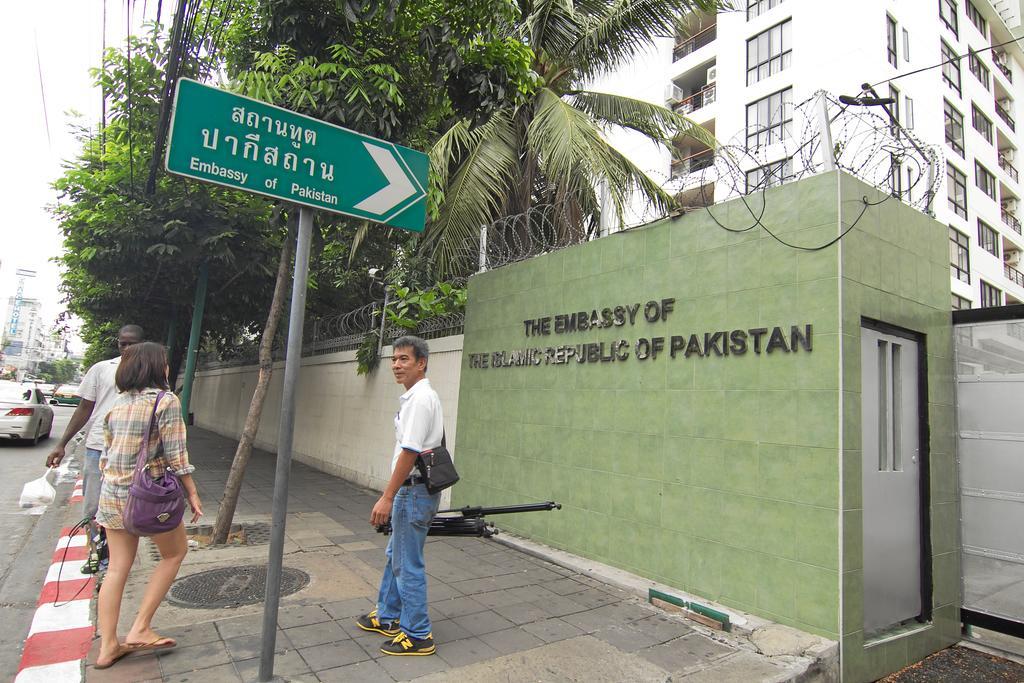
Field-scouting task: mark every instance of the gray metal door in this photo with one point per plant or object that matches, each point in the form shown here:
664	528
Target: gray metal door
990	448
891	479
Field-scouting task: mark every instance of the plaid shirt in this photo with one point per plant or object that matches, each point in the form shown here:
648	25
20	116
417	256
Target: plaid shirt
124	426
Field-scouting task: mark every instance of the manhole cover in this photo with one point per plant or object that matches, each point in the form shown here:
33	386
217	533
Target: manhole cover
246	533
232	587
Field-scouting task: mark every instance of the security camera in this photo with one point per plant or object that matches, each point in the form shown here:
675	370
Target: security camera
375	273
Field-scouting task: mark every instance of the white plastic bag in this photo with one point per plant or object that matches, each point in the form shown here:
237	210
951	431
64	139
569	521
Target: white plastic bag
37	494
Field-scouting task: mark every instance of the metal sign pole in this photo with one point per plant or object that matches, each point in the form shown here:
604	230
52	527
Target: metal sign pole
284	444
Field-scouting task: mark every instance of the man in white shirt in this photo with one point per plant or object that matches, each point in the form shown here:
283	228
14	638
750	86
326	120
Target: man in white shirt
401	612
97	392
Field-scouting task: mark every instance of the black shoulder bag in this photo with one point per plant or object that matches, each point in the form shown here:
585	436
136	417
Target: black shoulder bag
436	468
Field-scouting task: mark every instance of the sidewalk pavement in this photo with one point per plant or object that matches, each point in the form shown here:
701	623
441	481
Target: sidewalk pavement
498	613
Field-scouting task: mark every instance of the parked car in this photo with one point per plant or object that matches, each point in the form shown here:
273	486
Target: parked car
66	395
24	413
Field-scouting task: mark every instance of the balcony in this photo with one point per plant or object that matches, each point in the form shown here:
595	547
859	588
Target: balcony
1005	116
695	162
685	46
1005	70
704	96
1013	275
1009	168
1011	220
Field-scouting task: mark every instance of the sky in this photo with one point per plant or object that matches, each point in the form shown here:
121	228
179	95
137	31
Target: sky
48	58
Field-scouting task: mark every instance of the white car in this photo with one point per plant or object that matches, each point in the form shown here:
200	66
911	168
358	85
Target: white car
24	413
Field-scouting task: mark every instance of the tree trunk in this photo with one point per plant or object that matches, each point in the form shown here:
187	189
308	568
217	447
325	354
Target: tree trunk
228	503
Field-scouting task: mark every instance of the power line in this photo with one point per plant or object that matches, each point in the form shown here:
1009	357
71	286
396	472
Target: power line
42	92
956	58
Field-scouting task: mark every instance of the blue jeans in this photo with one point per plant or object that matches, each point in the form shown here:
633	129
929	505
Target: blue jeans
91	483
403	588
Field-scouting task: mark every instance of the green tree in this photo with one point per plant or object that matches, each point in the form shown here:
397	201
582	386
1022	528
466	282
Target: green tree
59	371
132	257
550	149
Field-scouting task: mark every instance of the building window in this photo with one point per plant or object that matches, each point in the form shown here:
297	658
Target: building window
975	16
990	296
959	259
756	8
985	181
770	119
981	123
908	113
895	176
947	12
960	303
978	68
769	52
950	67
769	175
956	190
988	238
954	128
890	40
894	109
906	45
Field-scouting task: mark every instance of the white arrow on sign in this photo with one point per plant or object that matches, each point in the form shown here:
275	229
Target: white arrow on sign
398	189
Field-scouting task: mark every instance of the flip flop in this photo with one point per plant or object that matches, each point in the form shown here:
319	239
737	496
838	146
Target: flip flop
122	653
160	643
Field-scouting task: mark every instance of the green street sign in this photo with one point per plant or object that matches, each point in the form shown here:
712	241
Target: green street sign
242	143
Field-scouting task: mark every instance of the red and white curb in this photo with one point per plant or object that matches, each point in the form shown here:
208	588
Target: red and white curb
62	630
78	492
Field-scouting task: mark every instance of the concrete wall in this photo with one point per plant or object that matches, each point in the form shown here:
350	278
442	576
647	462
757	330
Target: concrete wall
344	422
720	475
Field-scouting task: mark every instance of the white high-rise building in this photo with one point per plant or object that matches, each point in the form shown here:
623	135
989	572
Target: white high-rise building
739	74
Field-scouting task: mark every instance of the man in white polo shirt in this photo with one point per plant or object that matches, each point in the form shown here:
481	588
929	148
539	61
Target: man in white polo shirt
401	612
97	392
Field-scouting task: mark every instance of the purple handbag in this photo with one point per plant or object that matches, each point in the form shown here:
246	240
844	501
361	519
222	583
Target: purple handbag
155	504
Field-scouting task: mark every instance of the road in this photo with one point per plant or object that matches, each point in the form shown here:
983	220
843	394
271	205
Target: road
28	540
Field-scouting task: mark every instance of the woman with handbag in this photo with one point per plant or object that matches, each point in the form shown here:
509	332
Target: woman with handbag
146	480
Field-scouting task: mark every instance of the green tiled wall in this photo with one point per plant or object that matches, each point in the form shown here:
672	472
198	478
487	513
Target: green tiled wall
716	475
895	268
720	475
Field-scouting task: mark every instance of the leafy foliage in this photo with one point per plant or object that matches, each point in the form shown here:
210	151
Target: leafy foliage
549	149
59	371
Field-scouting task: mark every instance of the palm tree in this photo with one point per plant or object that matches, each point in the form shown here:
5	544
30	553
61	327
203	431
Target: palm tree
550	149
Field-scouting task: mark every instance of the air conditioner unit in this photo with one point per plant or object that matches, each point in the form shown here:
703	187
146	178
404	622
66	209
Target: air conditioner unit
1006	103
1000	58
1011	258
713	74
674	94
709	93
1010	205
1007	153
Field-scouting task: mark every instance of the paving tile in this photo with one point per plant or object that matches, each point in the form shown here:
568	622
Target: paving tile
593	598
331	655
225	673
466	651
501	598
559	606
493	583
301	615
663	627
247	647
288	664
447	631
685	654
131	668
345	609
194	634
408	668
315	634
240	626
363	672
511	640
552	629
627	638
203	656
483	622
590	620
522	613
436	590
456	607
